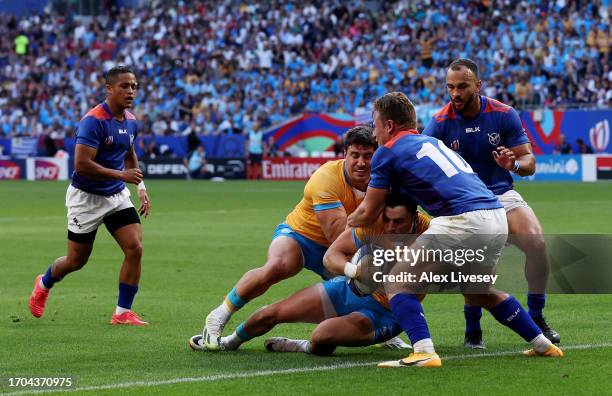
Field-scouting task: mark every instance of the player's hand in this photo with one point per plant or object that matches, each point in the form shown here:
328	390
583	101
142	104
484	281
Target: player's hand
504	157
145	203
132	175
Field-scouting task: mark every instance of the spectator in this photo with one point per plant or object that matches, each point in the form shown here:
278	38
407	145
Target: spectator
196	164
583	148
254	145
563	147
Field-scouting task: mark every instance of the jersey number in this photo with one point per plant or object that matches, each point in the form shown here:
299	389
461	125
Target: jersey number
435	154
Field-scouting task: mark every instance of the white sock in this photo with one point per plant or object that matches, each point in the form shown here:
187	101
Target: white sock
223	312
41	284
302	346
231	342
119	310
424	346
540	343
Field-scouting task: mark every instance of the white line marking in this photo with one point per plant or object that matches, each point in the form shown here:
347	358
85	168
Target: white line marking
264	373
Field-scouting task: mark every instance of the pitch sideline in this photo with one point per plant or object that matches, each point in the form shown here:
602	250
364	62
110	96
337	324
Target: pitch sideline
264	373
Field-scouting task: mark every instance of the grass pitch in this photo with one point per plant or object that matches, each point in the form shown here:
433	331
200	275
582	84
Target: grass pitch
200	238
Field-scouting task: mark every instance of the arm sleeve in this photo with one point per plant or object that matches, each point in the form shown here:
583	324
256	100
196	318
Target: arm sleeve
89	132
515	134
382	168
323	191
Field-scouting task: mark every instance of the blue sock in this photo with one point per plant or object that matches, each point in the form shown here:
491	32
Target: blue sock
472	318
48	280
235	299
536	303
510	313
126	295
240	332
408	312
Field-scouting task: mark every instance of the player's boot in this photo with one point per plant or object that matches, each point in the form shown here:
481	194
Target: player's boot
282	344
548	332
415	360
38	298
213	328
395	343
552	351
128	318
473	340
196	343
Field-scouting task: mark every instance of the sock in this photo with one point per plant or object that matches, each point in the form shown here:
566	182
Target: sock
541	343
424	346
47	281
510	313
126	295
235	300
240	332
472	318
119	310
299	345
535	302
231	342
223	312
408	312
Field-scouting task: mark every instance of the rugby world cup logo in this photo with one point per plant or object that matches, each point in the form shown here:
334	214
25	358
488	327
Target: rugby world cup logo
600	136
108	141
494	138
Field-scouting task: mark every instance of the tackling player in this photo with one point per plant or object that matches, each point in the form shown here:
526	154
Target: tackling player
425	170
332	192
490	137
344	318
104	161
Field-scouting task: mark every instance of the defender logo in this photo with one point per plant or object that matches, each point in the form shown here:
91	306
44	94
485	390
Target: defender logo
494	138
472	130
122	131
108	141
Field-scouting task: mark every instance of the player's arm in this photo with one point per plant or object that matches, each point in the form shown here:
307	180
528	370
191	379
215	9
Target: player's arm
131	162
335	259
369	210
519	159
85	164
516	156
332	221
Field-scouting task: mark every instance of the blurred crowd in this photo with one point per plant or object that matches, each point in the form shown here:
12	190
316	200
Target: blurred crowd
221	66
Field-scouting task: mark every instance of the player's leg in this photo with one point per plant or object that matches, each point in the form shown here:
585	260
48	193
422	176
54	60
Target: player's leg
285	259
305	306
77	255
352	330
526	234
124	226
508	311
85	213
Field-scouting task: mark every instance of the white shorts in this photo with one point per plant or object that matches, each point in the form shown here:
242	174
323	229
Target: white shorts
86	211
479	229
512	200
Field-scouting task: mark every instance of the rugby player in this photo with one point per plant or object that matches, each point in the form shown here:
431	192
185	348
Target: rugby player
490	137
332	192
104	161
423	169
344	319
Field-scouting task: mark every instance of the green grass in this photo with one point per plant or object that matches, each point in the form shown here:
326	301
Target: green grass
200	238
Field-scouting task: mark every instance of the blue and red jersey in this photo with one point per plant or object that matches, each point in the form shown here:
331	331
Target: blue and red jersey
112	138
424	169
475	138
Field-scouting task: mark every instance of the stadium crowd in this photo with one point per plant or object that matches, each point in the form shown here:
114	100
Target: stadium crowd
217	66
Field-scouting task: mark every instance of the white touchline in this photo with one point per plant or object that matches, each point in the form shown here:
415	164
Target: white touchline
264	373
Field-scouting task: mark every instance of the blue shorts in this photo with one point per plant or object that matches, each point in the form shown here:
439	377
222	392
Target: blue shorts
313	252
346	302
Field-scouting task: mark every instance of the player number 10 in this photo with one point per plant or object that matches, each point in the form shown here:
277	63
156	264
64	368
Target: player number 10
435	154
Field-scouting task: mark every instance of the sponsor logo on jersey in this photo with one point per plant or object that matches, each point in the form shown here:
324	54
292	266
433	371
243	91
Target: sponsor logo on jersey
494	138
123	131
472	130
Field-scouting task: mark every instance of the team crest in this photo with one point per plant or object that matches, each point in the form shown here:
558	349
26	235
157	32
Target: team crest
494	138
131	139
108	141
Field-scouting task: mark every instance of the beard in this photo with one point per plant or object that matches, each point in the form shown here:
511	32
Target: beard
466	105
